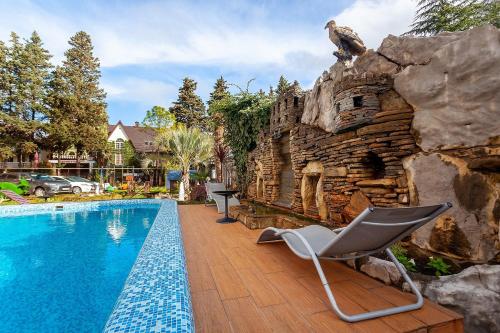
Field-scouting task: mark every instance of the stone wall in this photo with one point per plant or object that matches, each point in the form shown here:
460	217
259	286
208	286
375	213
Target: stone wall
416	122
363	157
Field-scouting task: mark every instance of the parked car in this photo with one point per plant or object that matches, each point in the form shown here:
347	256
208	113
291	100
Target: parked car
40	184
79	184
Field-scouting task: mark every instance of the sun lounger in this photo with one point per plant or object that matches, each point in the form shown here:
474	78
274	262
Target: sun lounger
374	230
219	199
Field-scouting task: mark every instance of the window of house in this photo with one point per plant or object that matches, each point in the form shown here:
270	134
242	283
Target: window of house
119	144
357	101
118	159
295	102
337	107
286	103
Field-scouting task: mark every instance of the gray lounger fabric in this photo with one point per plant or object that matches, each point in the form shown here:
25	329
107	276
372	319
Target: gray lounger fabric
374	230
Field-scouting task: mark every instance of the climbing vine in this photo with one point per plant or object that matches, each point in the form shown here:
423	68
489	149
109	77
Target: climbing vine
244	116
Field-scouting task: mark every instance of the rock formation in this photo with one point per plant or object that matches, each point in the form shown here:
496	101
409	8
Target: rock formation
416	122
474	292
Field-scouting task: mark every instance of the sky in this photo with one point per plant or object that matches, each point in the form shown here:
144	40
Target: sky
147	47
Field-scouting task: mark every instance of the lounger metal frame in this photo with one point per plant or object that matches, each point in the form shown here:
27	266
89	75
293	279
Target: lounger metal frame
359	220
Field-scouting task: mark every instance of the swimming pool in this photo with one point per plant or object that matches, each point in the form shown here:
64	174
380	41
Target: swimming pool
67	271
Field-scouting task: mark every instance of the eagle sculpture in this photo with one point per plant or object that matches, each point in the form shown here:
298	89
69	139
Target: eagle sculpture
347	41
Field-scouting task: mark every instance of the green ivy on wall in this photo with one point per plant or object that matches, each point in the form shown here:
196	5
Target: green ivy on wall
244	116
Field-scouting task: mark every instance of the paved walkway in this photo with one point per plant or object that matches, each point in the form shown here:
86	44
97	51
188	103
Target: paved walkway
239	286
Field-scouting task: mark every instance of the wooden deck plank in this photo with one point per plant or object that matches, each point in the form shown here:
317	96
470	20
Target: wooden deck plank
428	314
244	315
240	286
260	288
348	306
402	322
203	279
209	313
283	318
296	294
228	282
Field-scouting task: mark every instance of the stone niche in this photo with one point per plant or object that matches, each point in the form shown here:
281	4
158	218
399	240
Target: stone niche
311	191
260	181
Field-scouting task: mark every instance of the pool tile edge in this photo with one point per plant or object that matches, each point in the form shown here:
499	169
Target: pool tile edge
156	295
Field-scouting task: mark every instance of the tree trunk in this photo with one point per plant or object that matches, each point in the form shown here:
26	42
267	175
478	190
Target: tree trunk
59	163
78	162
185	181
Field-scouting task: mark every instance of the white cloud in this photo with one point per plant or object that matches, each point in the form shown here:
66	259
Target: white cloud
235	36
135	89
375	19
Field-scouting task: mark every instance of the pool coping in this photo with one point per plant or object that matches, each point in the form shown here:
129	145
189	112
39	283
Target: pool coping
156	295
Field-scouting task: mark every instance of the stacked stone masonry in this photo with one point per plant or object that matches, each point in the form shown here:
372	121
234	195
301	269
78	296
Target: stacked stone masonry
365	154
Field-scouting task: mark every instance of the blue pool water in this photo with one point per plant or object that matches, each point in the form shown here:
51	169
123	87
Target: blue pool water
63	272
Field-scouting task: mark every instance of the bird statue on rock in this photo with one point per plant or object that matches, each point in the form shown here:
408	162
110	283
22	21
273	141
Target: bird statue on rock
347	41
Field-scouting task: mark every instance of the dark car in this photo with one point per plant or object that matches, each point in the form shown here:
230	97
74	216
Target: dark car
40	185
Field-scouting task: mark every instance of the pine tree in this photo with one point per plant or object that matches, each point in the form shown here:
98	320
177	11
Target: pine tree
6	150
220	91
283	85
189	108
435	16
37	67
25	78
83	101
60	128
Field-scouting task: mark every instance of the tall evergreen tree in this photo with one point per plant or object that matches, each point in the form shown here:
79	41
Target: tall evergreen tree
6	150
189	108
60	128
25	78
83	100
220	91
283	85
435	16
37	67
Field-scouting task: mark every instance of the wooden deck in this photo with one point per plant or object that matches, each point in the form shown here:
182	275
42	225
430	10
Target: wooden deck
239	286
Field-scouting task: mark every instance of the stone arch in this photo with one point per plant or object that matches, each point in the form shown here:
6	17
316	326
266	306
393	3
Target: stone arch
311	190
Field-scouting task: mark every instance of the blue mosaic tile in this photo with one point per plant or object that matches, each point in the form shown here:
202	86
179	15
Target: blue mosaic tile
156	295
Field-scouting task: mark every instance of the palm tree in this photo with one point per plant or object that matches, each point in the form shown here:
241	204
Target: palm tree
189	146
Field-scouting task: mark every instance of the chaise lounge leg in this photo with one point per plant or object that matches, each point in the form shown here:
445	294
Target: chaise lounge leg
371	314
331	298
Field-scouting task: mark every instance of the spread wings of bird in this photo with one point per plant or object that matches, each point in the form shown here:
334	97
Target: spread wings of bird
348	36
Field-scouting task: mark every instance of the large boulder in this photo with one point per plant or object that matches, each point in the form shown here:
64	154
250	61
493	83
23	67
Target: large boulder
455	93
372	62
318	104
410	50
383	270
474	292
467	231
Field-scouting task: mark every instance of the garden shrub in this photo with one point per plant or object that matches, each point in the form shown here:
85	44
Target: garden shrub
401	254
198	193
439	266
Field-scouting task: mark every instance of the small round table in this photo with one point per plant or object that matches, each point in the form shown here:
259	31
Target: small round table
226	194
